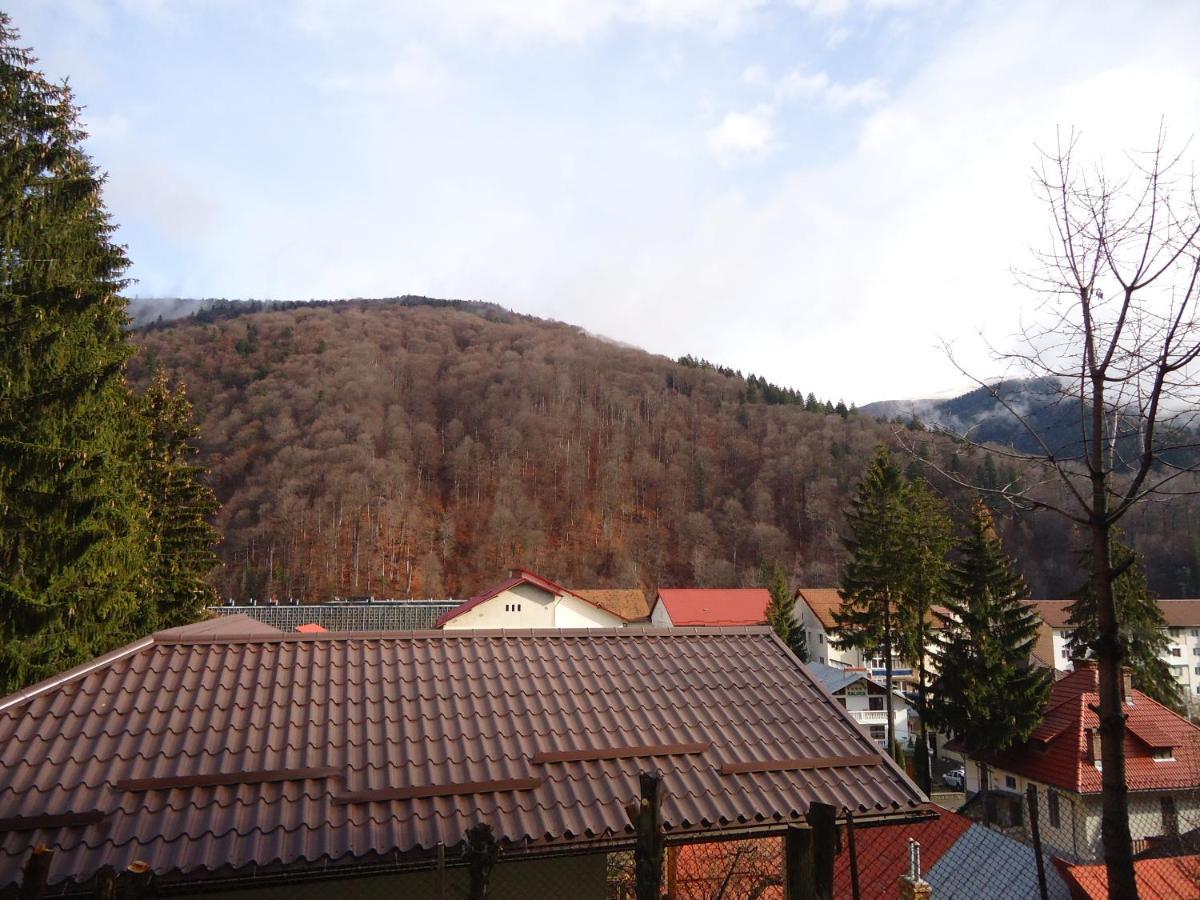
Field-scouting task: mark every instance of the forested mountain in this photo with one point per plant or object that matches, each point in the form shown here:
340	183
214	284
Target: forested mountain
417	447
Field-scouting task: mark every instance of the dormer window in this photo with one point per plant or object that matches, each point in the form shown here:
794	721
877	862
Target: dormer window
1163	754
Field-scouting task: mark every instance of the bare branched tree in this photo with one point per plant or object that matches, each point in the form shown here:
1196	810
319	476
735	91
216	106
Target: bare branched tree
1111	357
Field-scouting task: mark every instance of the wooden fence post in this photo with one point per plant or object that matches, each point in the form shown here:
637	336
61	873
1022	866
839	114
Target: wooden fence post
798	864
809	855
646	816
106	884
481	852
136	882
855	892
35	872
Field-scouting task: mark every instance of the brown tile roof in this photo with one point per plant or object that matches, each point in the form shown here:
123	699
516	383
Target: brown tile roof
628	603
228	754
1057	751
1181	613
822	601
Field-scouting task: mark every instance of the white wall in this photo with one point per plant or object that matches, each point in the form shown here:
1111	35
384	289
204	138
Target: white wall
536	610
571	612
659	616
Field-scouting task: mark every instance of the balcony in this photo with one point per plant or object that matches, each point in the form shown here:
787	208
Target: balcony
869	716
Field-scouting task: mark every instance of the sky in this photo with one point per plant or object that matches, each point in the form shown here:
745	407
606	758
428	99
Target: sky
823	192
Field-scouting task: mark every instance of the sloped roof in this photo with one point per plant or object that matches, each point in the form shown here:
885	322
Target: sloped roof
516	577
629	604
715	606
1057	753
958	857
835	678
223	626
822	602
227	754
1181	613
1177	876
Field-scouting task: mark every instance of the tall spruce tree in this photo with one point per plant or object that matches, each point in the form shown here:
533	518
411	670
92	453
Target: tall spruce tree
180	505
1142	628
929	537
781	613
872	580
986	693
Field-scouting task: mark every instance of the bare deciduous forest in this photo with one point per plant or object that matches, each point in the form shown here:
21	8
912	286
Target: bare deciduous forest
401	448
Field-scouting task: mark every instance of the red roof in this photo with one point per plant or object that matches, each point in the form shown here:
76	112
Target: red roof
883	853
1176	876
283	753
715	606
311	628
1058	752
516	577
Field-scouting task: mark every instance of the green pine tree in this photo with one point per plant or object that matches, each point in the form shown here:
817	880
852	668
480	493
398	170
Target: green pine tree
986	693
1142	628
872	580
929	537
180	506
781	613
72	532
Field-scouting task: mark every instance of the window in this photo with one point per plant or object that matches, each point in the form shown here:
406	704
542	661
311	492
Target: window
512	607
820	638
1054	812
1010	782
1197	670
1175	651
1175	632
1163	753
1170	818
1196	632
875	703
878	733
1196	650
1066	654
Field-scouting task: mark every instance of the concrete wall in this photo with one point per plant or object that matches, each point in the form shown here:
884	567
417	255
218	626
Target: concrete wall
536	610
577	877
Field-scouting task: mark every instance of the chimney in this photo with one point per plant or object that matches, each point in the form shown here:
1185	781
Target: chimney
912	885
1127	685
1094	744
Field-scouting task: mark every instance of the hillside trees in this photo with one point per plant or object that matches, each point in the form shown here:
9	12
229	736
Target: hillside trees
986	692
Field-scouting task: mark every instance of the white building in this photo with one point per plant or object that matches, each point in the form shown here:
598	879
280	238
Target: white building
814	613
1182	654
865	699
527	600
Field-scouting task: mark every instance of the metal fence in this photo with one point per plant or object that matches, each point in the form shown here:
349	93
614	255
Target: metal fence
378	615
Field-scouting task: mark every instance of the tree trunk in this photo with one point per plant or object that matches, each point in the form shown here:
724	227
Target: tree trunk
924	774
887	669
1114	823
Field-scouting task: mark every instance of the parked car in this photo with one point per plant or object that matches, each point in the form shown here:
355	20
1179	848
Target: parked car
955	778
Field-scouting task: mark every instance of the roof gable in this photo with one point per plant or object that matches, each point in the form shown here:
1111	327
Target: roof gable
222	753
518	577
822	602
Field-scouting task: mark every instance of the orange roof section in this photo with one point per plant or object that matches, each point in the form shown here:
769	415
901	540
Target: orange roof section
716	606
628	603
1057	753
311	628
1176	876
822	602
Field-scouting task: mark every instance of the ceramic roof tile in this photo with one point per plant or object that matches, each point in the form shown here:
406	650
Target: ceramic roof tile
281	730
715	606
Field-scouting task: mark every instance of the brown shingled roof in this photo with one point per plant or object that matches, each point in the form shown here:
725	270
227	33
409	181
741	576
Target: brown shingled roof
229	754
628	603
823	602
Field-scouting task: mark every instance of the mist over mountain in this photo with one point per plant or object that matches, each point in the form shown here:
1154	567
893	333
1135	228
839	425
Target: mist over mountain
420	447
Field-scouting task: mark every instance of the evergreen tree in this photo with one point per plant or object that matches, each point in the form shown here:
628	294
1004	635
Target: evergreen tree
987	694
1142	628
71	528
928	537
180	505
781	613
872	580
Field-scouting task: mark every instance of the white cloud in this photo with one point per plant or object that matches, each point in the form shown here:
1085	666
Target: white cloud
756	75
819	86
742	135
417	74
564	20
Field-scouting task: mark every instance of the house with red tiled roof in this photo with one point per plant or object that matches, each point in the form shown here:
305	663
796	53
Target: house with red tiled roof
710	606
527	600
1177	876
1062	761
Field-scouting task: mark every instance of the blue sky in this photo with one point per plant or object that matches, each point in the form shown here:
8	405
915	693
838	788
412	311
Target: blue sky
819	191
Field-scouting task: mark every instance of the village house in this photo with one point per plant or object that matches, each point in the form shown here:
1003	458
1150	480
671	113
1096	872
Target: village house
1062	761
1182	628
527	600
229	756
675	607
865	699
814	612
